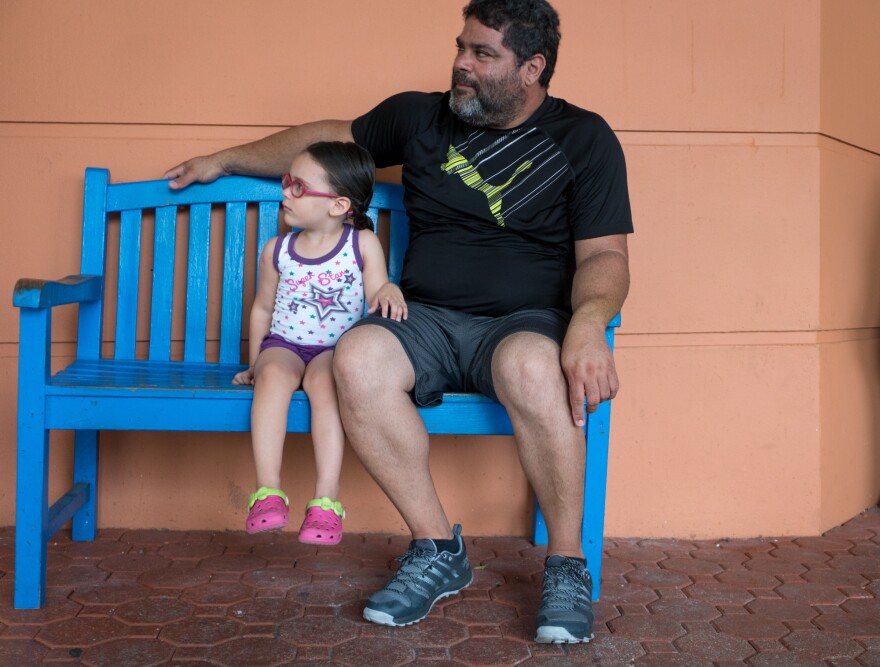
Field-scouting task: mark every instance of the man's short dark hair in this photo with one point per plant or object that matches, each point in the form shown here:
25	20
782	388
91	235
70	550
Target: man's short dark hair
528	26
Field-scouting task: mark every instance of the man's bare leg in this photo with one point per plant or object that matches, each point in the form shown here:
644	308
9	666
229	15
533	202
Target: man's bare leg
373	375
373	378
529	383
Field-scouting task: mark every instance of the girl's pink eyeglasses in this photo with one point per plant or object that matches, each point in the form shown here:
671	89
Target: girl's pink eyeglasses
298	188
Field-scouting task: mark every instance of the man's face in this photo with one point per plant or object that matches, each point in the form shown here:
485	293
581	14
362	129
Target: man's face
487	89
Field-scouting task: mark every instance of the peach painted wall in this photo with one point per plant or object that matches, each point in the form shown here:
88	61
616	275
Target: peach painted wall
750	346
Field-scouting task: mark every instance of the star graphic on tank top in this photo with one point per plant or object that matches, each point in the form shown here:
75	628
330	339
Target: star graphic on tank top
325	302
349	278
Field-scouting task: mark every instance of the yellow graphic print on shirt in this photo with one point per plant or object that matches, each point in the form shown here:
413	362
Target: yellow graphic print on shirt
456	163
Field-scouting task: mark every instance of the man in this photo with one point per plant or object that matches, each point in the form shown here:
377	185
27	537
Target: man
517	261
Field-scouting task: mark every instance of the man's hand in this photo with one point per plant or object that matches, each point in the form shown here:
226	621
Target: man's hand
202	169
589	369
600	285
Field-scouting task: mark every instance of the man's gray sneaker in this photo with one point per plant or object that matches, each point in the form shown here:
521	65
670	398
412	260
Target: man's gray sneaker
425	576
566	613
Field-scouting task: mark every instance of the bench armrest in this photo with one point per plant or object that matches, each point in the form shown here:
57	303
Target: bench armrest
36	293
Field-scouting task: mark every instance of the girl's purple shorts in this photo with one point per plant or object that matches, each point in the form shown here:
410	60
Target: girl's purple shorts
304	352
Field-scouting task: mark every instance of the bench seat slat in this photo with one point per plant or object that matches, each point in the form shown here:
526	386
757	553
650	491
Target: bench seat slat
136	378
228	411
148	395
137	374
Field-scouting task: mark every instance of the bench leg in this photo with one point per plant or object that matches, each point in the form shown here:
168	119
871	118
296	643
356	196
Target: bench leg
85	471
31	519
539	529
32	473
593	530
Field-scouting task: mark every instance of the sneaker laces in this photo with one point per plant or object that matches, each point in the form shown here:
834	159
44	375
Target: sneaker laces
564	586
413	563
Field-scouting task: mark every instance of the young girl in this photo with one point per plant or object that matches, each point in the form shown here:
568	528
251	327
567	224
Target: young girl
313	285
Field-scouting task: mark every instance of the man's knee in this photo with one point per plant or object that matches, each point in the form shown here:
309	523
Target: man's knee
353	353
368	356
526	366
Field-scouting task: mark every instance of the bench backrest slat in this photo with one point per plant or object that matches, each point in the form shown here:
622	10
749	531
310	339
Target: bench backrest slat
398	240
127	287
233	284
91	313
197	292
267	227
164	246
197	282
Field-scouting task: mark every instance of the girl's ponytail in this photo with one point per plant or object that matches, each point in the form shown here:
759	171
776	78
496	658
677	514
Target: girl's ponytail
351	173
359	217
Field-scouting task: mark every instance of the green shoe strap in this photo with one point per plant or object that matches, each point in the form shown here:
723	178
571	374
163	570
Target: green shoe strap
326	504
264	492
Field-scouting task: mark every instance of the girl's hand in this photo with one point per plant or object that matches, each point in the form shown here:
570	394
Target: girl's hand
390	302
245	377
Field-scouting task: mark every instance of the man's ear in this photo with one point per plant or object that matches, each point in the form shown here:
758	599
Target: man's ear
532	69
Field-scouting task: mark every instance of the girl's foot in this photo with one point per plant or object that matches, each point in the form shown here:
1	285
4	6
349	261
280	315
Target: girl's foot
268	510
323	522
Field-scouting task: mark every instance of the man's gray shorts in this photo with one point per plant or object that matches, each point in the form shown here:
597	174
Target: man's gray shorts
451	351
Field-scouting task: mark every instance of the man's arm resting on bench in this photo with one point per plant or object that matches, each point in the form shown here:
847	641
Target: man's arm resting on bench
600	286
268	157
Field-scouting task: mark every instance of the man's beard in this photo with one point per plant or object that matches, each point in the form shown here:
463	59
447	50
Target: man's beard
495	102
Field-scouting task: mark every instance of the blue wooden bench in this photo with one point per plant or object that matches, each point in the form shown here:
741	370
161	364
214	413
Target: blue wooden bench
162	384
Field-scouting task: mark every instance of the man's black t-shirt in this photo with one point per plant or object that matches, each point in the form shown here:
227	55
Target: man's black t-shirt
493	213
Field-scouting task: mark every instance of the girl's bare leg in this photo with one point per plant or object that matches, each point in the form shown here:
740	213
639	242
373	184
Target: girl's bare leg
277	375
328	437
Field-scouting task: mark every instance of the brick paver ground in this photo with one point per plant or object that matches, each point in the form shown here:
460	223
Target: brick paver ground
136	597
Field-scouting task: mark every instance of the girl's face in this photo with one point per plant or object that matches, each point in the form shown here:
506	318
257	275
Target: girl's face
316	206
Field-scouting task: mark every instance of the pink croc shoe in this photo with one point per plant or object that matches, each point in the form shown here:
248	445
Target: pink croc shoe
323	522
268	511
